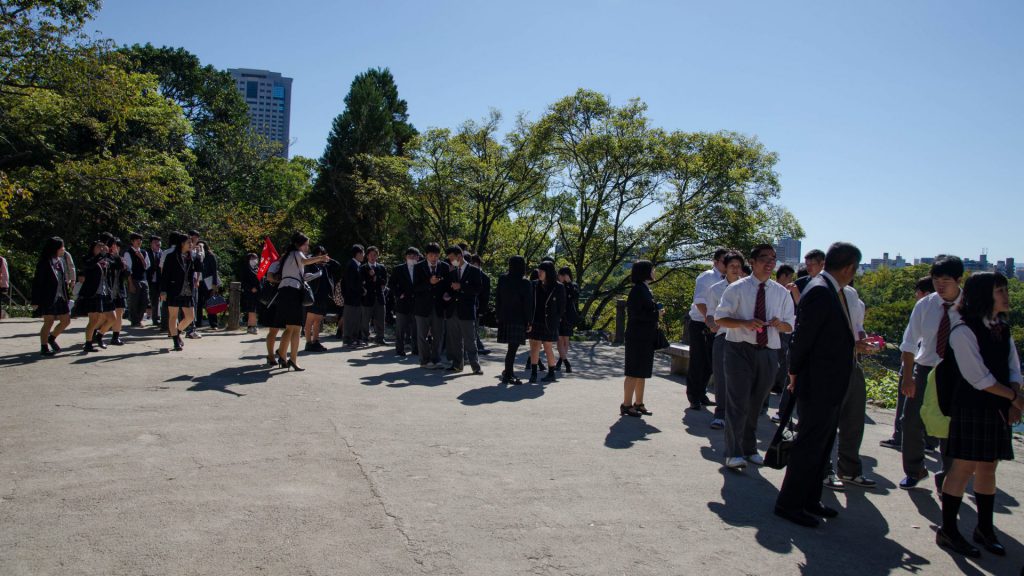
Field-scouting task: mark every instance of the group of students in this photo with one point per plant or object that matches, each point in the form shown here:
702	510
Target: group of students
437	304
753	332
115	278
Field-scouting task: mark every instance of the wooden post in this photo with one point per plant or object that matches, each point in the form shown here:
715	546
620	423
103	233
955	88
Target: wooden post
620	322
234	305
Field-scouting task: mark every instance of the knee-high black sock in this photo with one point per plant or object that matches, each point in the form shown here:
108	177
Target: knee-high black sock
510	358
950	509
986	504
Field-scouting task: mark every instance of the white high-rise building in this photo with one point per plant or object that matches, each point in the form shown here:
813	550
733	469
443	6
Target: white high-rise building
269	96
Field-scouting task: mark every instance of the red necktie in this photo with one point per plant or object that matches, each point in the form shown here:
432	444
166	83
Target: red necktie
759	313
942	340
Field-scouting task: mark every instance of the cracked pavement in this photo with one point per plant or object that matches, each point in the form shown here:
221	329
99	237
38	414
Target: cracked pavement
139	461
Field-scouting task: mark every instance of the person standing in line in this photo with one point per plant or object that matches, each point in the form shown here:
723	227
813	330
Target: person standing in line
785	276
569	319
137	262
375	280
755	309
464	283
814	263
431	283
118	290
50	295
925	342
157	312
290	309
514	301
354	292
822	354
641	338
852	411
985	403
549	294
483	301
401	281
322	282
733	264
250	291
701	339
922	288
177	286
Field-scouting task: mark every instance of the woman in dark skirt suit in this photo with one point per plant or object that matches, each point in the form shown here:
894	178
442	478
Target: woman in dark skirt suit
985	373
118	290
250	291
322	282
50	295
514	301
642	315
95	296
549	295
569	319
290	294
177	281
268	317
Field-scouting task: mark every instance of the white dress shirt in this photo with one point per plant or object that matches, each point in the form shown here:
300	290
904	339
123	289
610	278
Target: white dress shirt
714	297
705	280
922	331
738	302
857	311
972	366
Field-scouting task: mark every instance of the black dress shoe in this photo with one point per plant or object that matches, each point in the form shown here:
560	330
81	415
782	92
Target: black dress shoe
957	544
707	401
989	543
695	406
820	509
797	517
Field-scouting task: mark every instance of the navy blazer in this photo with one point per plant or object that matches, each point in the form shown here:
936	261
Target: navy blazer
464	301
352	283
401	285
430	298
821	354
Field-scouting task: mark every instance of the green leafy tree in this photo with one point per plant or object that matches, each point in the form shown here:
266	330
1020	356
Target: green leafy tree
37	34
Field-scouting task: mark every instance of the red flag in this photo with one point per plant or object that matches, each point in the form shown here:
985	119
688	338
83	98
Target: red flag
268	257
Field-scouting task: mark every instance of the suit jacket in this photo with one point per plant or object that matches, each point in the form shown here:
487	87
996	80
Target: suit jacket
401	285
374	285
463	303
352	283
429	298
484	298
153	272
641	314
47	287
514	299
821	353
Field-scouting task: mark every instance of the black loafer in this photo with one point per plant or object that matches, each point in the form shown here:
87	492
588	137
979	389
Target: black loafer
989	543
797	517
959	545
820	509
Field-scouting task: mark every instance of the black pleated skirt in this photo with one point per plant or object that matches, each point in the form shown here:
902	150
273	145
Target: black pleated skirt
979	434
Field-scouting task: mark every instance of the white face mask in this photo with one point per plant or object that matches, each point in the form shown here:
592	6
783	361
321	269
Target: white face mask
411	261
253	262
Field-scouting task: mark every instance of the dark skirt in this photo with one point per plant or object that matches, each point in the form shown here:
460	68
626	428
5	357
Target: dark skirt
58	308
509	333
566	329
250	302
541	332
179	301
289	307
268	317
94	305
639	358
120	302
979	434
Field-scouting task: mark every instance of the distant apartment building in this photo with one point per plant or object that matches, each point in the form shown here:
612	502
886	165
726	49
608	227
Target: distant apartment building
885	262
269	96
787	250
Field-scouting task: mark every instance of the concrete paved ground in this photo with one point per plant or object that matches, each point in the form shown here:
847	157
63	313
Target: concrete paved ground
139	461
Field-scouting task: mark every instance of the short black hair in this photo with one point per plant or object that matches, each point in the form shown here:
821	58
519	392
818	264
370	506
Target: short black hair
318	250
106	237
476	260
454	249
464	246
721	252
550	275
733	255
134	236
373	249
412	251
815	255
548	258
747	269
756	251
801	271
977	301
924	284
947	265
193	233
154	237
641	272
785	270
565	271
842	255
516	267
432	248
357	249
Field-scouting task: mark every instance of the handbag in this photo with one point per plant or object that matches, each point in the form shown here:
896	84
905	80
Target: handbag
934	418
267	294
216	304
338	295
307	295
777	455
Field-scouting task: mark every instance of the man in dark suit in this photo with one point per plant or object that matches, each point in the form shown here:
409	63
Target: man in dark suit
375	279
822	356
464	284
430	284
353	291
401	284
814	263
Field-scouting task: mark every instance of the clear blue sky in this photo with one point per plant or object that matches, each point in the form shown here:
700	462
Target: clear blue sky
898	123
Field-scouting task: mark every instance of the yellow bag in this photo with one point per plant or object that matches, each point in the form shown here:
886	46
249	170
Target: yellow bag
935	422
